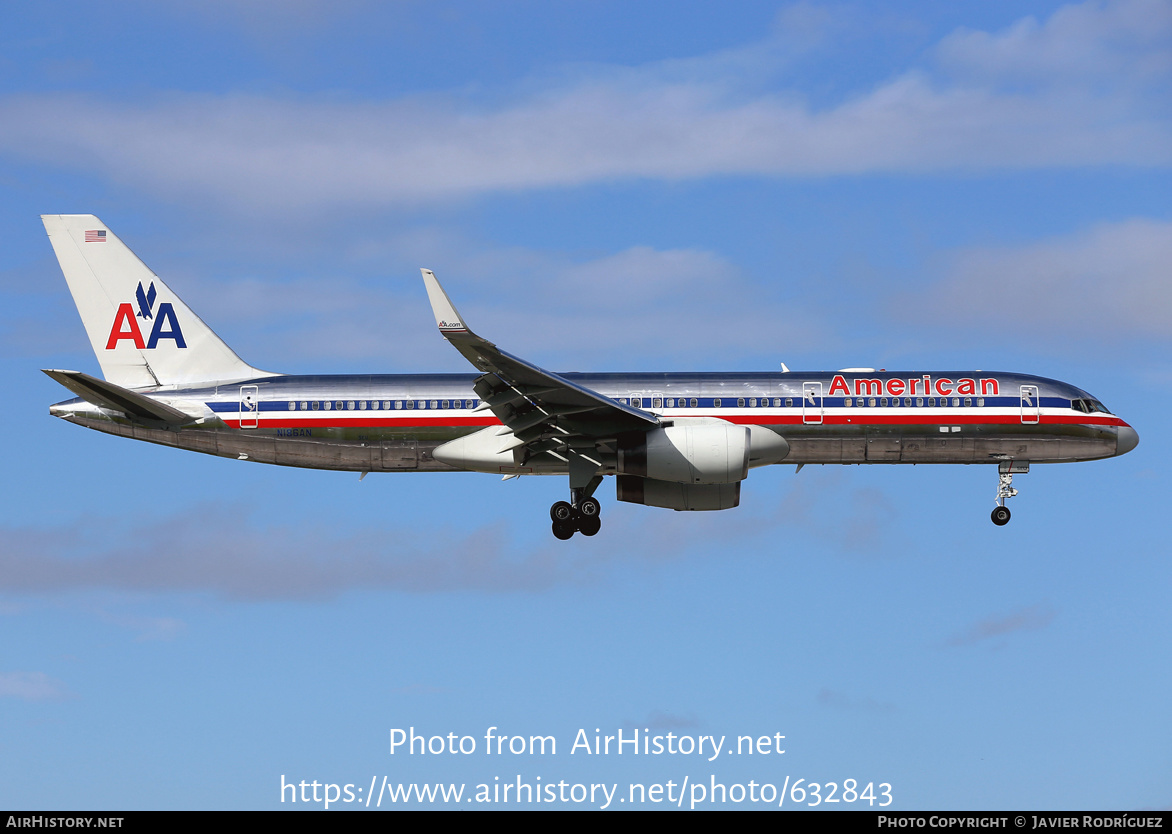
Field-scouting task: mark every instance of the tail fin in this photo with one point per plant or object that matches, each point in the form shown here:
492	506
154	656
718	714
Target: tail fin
142	333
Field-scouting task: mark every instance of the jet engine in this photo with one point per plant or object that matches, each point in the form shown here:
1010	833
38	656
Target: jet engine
693	467
652	493
704	454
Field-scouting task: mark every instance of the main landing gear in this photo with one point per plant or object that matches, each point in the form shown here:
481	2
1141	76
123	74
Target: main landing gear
568	519
580	513
1005	471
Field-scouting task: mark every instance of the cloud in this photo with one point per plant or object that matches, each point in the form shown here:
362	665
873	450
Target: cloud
149	628
654	122
850	519
549	307
1121	44
838	700
1026	619
31	686
1112	281
663	720
236	558
223	550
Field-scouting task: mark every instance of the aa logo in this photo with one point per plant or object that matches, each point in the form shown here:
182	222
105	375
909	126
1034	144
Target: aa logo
165	326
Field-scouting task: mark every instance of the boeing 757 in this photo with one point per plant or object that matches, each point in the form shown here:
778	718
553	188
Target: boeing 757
682	441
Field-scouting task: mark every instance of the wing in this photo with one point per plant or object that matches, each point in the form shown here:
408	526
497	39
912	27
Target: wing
544	411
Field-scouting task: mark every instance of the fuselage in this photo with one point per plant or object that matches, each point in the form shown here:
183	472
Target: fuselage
372	423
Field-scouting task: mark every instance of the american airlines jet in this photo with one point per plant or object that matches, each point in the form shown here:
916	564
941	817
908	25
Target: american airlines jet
683	441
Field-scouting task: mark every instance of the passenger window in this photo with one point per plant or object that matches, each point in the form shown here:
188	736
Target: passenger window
789	402
338	405
848	402
350	405
292	406
752	402
883	402
327	405
931	402
410	403
871	402
657	402
694	402
716	403
444	404
362	405
304	405
740	402
919	402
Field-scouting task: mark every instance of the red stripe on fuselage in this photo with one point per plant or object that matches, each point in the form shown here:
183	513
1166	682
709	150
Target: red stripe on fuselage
406	423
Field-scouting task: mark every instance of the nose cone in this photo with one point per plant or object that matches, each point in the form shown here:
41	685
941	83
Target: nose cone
1128	440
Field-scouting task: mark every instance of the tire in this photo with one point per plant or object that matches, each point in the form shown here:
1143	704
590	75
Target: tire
590	525
1000	516
563	530
588	507
561	511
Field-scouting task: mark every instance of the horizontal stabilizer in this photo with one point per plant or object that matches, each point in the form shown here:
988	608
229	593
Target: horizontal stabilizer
108	395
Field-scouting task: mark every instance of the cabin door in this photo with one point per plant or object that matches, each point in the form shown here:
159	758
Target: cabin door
1031	404
249	406
812	402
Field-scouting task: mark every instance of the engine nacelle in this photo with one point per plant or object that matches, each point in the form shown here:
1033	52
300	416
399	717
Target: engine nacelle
705	454
652	493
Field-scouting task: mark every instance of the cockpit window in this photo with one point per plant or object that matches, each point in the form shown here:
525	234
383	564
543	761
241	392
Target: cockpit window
1088	406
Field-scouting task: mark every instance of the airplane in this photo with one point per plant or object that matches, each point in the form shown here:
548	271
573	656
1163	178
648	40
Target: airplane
681	441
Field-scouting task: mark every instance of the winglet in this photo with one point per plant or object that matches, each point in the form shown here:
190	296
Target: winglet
446	317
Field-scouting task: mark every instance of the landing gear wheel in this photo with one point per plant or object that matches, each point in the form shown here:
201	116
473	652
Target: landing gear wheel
562	511
1000	516
589	525
589	508
564	530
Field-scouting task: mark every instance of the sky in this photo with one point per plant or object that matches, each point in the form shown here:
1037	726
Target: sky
601	187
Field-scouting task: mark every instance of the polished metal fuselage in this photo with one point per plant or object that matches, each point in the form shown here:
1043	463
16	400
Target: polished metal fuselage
393	423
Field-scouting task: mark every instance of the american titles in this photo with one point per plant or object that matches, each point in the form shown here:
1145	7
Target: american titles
922	386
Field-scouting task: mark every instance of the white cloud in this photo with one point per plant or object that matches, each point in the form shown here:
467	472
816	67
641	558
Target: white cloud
1123	44
550	307
1113	281
657	121
838	700
234	558
1032	618
31	686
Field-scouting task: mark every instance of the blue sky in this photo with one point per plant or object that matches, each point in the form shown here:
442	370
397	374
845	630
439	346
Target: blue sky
600	186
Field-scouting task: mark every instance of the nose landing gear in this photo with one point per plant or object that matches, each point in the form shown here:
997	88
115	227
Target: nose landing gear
1005	471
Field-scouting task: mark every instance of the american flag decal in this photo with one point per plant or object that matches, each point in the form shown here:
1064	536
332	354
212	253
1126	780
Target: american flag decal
96	236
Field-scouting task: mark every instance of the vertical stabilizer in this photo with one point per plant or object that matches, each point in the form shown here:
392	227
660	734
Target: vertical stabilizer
142	333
